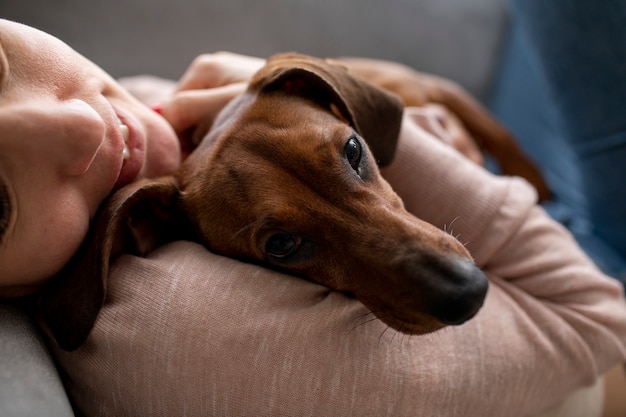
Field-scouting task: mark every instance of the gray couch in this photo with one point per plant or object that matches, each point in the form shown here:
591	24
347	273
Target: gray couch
459	39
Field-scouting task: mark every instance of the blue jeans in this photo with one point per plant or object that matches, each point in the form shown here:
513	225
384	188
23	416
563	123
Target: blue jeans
562	91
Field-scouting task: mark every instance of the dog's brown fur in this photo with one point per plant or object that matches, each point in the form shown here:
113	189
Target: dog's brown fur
278	180
419	89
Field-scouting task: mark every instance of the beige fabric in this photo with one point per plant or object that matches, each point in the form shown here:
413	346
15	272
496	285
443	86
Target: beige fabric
586	401
186	332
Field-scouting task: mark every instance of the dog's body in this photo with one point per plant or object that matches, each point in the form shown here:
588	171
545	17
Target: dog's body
285	178
419	89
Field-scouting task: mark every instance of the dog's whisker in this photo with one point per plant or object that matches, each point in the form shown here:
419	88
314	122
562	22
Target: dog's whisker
244	229
403	339
362	316
368	313
359	323
383	333
363	323
395	334
370	320
447	228
454	220
362	319
406	338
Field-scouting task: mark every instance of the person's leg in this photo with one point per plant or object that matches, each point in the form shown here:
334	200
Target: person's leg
522	102
581	46
524	99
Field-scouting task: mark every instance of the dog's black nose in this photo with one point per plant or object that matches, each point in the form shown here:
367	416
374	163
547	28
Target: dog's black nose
457	291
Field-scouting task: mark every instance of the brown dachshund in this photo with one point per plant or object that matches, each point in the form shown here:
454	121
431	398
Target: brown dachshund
288	177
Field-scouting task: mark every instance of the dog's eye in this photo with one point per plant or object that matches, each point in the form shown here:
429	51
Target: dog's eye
282	245
353	152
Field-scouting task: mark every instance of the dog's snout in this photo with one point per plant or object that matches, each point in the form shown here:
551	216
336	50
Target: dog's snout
458	290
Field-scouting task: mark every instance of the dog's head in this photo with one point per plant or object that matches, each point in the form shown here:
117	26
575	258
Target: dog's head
288	177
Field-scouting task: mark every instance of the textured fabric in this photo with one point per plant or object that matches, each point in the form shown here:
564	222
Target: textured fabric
561	91
186	332
29	381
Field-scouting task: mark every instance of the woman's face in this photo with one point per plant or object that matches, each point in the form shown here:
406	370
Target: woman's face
69	135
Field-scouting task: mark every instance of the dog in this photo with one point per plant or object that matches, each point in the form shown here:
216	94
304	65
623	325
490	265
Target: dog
294	161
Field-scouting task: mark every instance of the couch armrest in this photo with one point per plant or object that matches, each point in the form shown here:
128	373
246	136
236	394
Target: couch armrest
29	382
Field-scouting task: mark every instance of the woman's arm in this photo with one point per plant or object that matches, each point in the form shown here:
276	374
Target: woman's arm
574	312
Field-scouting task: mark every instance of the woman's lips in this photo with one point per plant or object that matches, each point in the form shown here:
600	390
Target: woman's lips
133	152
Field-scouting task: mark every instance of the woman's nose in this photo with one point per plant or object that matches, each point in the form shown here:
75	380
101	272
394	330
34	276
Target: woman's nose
60	137
77	133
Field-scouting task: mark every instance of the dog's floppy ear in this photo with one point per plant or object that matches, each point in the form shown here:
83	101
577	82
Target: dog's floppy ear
70	303
373	112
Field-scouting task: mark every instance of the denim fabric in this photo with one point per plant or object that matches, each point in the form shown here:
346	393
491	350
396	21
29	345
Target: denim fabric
562	91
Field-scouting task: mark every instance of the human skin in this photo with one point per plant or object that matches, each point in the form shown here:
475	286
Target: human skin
65	126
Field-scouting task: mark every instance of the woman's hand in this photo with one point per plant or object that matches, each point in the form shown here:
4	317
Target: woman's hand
219	69
210	82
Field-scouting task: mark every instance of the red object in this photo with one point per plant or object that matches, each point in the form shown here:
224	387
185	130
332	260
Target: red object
158	108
